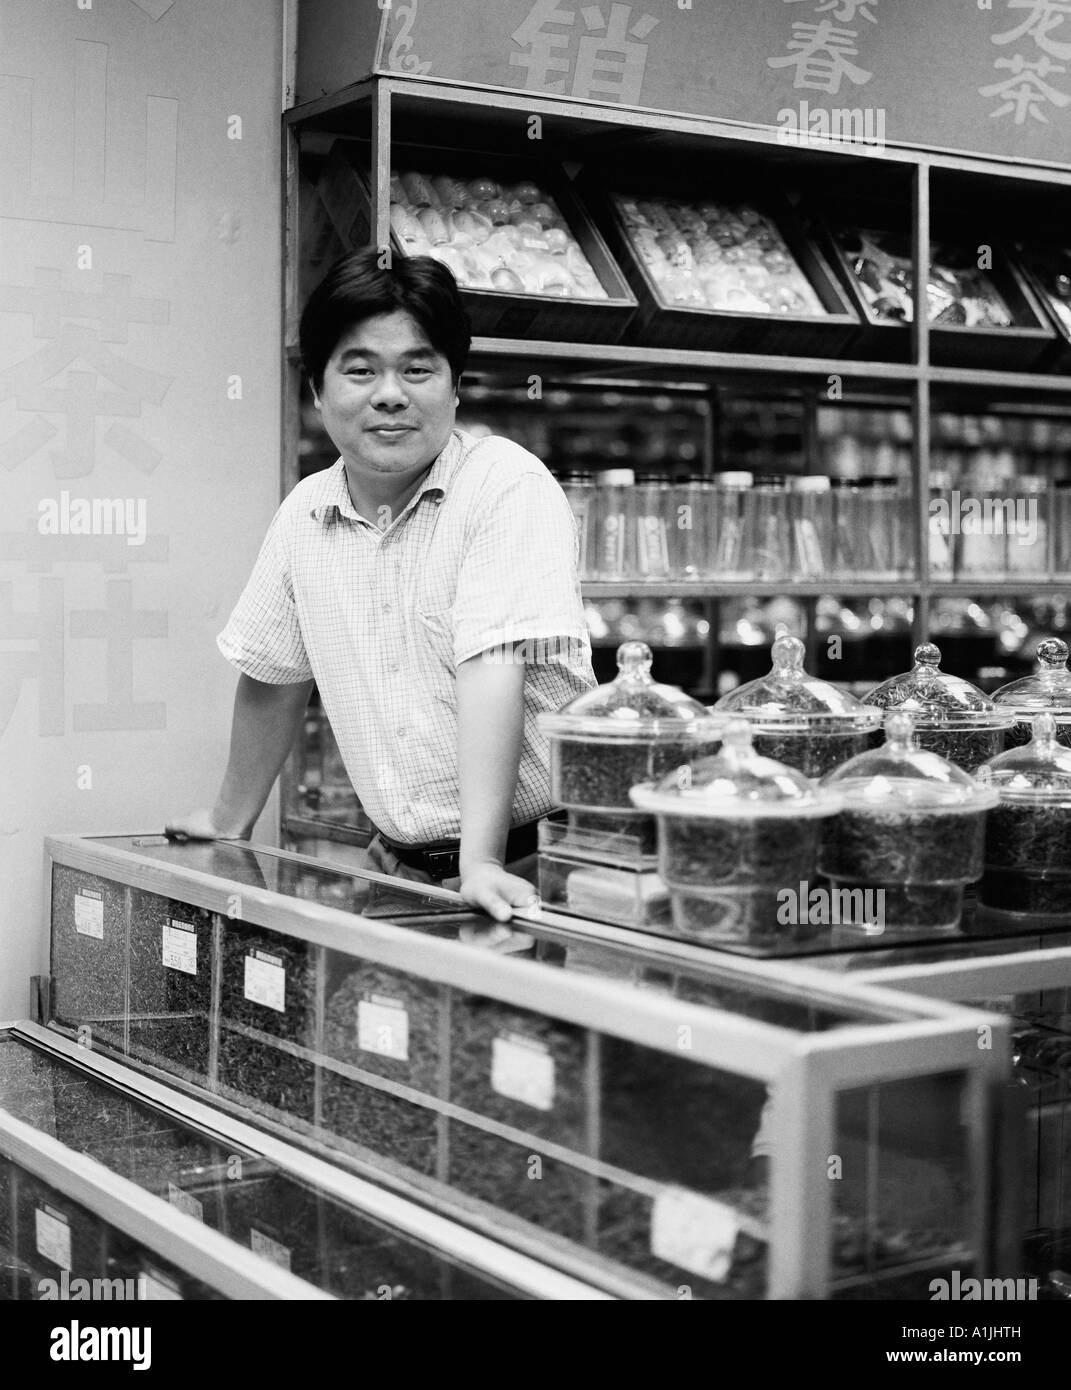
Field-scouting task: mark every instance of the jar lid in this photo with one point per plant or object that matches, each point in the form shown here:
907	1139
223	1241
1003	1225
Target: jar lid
1036	773
735	782
810	482
900	777
617	477
633	707
1048	688
788	698
734	479
937	699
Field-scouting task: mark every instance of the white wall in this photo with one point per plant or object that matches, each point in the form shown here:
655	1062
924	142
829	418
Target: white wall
140	269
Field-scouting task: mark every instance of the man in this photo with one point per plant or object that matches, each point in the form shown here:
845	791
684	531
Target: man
426	583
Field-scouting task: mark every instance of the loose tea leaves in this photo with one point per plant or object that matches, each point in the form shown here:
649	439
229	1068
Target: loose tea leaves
761	851
814	754
1028	859
598	775
886	848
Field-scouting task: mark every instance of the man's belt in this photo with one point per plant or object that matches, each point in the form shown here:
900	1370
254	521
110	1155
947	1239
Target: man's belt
442	859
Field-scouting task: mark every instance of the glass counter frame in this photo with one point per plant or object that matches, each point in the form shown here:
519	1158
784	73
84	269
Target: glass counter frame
903	1038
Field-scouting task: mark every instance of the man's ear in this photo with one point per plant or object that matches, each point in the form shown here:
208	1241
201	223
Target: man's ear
457	391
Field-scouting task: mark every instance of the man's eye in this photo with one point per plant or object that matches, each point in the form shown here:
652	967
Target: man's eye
419	371
358	371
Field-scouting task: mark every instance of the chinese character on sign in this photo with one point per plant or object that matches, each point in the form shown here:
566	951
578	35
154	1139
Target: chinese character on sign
1042	18
608	62
821	54
54	383
42	627
1024	93
846	10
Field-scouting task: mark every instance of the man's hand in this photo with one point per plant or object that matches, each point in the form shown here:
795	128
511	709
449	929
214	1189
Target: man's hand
488	886
202	825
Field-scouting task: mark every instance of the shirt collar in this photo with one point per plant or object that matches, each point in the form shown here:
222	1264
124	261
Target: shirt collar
330	490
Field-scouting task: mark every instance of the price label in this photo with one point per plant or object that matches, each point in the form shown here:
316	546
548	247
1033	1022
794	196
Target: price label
89	913
180	946
696	1233
265	980
270	1249
157	1287
523	1069
185	1202
53	1234
383	1027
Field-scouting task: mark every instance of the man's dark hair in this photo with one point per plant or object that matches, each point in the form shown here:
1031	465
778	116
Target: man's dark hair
357	287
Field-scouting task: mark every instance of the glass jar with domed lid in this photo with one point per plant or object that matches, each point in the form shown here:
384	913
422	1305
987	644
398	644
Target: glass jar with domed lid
630	730
798	719
952	717
1046	690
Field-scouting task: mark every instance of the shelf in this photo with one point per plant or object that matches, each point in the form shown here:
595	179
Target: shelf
691	589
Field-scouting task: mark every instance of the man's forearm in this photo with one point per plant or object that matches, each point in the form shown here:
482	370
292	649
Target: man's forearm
265	721
490	720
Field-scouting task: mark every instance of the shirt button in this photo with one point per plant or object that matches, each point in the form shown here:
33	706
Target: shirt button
402	733
395	666
386	608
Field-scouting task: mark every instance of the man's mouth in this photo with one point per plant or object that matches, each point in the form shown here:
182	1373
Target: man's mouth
391	429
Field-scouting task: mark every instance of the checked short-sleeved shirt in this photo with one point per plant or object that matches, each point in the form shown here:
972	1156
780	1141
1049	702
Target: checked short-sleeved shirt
484	556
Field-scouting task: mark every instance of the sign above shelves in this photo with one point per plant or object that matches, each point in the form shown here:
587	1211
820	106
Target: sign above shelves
990	81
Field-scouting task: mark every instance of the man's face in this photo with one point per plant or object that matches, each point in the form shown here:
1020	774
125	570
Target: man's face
388	399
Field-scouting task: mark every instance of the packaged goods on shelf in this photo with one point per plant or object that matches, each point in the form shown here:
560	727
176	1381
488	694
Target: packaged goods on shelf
950	716
731	271
1028	833
985	317
1046	262
911	827
526	256
734	831
797	719
619	894
606	839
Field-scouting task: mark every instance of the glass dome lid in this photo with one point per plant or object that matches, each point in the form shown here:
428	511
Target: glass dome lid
1036	773
900	776
735	782
1048	688
633	705
935	697
787	697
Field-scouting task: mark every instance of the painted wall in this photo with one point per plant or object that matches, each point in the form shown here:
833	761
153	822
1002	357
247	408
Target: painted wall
140	273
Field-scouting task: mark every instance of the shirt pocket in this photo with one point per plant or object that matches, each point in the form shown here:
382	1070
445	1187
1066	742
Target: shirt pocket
434	634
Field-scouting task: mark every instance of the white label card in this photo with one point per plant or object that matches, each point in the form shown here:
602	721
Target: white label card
185	1201
696	1233
89	913
265	980
523	1069
270	1249
53	1236
180	946
383	1027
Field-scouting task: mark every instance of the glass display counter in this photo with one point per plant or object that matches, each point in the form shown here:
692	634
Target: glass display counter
105	1176
659	1123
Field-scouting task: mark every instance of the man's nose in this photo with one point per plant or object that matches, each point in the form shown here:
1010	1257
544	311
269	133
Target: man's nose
390	392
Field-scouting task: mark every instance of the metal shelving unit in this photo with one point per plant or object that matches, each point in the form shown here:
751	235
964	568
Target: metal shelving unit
385	110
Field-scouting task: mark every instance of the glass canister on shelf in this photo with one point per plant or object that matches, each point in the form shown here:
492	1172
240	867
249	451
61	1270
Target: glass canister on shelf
811	511
768	531
1028	531
1028	834
951	716
1061	528
940	526
613	534
911	828
879	544
735	830
1047	690
627	731
653	522
978	521
797	719
579	488
732	558
696	521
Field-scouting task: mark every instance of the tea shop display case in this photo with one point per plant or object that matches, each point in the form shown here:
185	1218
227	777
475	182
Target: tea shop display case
651	1124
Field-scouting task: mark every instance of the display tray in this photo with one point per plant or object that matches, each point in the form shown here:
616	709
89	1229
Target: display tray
1045	263
345	190
877	237
829	328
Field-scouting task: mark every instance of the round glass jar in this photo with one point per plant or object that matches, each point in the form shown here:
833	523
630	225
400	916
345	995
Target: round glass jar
798	719
630	730
1028	833
952	717
911	827
737	844
1047	689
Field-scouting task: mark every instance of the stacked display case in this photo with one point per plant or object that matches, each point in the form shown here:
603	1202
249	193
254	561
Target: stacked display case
580	1094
